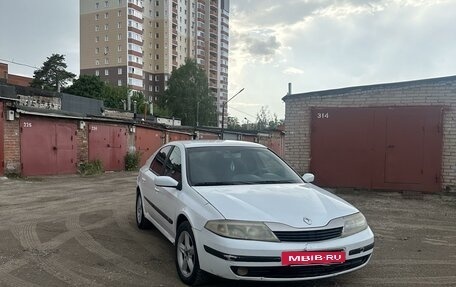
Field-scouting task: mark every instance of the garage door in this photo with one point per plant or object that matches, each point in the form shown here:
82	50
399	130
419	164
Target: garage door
2	157
47	147
396	148
108	143
147	141
172	136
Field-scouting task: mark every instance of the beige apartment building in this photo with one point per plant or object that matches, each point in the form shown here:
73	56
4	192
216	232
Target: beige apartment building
139	43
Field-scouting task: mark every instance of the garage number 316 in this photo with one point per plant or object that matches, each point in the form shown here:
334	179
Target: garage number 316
322	115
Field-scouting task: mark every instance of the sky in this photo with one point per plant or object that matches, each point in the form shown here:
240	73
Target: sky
313	44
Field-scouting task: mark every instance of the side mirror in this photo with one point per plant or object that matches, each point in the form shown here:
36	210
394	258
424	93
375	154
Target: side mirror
166	181
308	177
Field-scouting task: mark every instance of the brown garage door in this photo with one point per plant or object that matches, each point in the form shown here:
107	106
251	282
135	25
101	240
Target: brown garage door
2	159
147	141
173	136
384	148
108	143
47	147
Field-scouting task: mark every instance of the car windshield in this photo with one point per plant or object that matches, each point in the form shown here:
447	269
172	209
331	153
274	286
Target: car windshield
208	166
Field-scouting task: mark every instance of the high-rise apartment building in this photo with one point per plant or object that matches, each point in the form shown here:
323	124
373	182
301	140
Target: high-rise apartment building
139	43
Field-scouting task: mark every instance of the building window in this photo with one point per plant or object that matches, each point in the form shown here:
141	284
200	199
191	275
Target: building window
119	60
119	13
106	72
97	28
119	48
157	46
97	39
157	35
97	72
97	62
97	50
157	67
157	13
150	88
106	38
106	15
106	3
119	82
106	61
119	36
97	17
157	89
106	27
119	71
150	77
97	5
157	57
119	25
157	3
157	78
120	2
157	24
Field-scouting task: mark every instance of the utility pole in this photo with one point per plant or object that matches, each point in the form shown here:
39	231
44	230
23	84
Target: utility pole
223	111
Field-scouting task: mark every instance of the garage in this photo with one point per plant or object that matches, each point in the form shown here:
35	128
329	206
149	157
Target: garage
176	136
147	141
392	136
108	143
2	159
47	147
377	148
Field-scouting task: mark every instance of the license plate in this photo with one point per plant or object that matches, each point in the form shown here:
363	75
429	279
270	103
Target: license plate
312	257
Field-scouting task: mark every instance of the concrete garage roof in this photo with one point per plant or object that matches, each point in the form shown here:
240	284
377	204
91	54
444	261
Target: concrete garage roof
341	91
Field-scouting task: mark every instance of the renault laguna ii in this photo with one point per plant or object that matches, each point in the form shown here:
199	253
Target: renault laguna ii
237	210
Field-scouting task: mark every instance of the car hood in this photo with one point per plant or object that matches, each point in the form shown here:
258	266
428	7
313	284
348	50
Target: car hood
282	203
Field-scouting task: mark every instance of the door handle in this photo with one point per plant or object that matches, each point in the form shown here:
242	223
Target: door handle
156	189
143	179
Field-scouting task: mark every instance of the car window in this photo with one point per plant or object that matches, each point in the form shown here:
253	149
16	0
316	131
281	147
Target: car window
237	165
158	163
173	165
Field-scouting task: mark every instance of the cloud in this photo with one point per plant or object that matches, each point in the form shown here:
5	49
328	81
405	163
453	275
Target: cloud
292	71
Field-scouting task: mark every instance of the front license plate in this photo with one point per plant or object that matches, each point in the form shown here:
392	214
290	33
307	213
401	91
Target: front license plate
312	257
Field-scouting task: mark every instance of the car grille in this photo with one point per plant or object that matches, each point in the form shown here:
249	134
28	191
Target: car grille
308	235
302	271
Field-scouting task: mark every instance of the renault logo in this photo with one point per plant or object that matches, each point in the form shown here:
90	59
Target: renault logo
308	221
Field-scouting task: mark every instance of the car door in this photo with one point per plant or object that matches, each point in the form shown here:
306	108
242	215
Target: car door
167	198
157	168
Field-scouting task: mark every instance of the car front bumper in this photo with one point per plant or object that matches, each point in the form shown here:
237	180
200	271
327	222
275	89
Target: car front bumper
261	261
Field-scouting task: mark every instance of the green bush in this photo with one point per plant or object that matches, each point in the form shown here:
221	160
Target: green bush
91	167
132	161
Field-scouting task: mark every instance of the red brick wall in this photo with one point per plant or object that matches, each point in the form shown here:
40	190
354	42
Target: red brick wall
83	144
12	146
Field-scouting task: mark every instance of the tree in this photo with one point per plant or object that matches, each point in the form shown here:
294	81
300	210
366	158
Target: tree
233	123
93	87
188	96
52	74
265	120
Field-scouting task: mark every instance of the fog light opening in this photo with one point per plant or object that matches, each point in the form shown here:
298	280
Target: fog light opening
242	271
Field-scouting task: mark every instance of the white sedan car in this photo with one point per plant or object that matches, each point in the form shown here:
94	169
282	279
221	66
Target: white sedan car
236	210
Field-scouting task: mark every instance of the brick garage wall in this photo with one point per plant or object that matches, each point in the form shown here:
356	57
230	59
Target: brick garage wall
432	92
12	147
82	140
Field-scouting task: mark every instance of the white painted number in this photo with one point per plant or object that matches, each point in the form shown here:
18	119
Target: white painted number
27	125
93	128
322	115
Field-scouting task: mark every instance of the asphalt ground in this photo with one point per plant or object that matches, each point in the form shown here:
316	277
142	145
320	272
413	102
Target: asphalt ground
81	231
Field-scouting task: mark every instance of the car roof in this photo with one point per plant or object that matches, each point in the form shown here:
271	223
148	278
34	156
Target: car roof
205	143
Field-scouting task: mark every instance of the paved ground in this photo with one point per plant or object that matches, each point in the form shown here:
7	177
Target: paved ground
73	231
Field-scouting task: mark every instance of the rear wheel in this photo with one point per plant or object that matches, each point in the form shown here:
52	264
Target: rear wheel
187	263
141	221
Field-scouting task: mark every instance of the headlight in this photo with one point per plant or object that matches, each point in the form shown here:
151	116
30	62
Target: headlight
241	230
353	224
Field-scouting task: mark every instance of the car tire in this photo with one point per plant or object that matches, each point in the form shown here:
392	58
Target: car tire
141	221
187	263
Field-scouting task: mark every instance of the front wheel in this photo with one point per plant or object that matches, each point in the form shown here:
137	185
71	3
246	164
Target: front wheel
187	263
141	221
